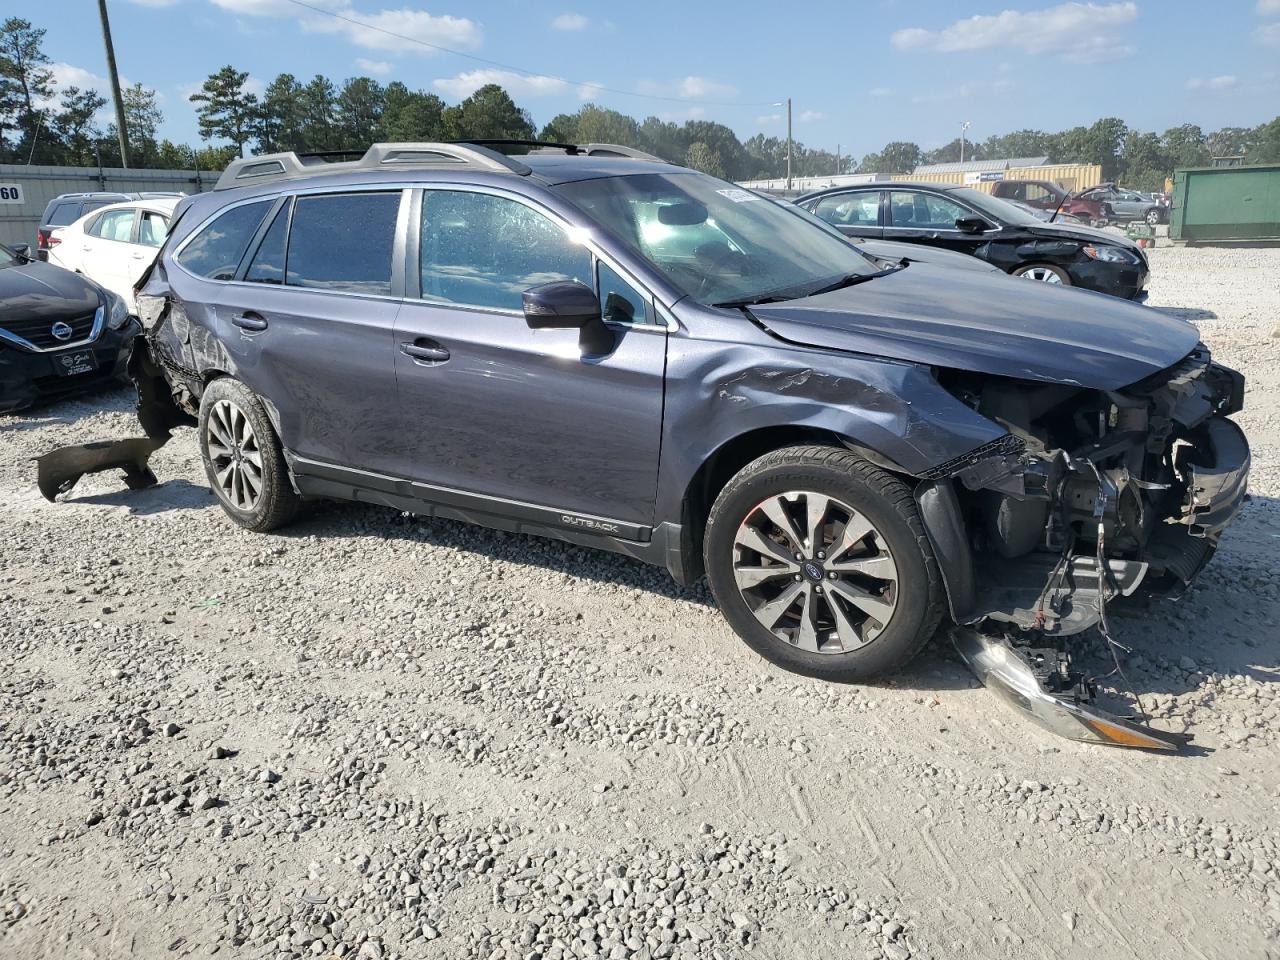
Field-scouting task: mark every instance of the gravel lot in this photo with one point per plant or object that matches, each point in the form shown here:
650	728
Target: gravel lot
381	736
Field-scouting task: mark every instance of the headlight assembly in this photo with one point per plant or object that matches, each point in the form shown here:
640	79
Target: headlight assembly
1111	254
117	312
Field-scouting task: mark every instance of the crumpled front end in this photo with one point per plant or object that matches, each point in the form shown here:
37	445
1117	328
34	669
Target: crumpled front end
1093	495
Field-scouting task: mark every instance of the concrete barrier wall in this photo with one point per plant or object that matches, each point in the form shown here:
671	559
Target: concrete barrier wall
40	184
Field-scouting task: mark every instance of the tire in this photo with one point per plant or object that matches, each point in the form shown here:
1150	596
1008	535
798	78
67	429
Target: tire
1153	216
1044	273
240	449
897	577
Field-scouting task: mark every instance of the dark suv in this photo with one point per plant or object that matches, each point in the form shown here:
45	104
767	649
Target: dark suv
634	356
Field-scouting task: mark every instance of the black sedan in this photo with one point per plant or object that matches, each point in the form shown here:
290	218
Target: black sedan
59	333
970	221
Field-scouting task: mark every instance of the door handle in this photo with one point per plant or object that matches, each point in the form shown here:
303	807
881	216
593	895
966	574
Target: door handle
424	350
249	321
139	256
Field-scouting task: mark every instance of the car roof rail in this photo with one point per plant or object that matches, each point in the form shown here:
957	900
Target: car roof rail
271	167
573	149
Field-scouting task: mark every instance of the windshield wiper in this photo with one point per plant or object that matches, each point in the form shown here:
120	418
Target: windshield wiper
750	302
855	278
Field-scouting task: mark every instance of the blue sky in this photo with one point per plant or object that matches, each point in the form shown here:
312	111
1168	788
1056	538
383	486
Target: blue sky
859	73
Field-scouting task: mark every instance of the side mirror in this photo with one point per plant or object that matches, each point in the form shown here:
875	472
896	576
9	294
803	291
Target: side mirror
23	250
971	225
566	305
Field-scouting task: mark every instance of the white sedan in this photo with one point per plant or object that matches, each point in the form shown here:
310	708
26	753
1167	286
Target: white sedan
113	245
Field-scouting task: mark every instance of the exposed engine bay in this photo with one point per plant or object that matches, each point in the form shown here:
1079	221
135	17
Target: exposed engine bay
1092	496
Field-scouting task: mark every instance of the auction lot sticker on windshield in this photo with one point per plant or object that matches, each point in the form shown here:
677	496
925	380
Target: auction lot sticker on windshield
736	195
11	193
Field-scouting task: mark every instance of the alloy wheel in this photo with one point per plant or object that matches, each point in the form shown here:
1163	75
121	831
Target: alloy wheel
1043	274
815	572
235	455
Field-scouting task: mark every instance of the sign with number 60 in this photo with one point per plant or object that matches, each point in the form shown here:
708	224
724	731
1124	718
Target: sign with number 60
11	193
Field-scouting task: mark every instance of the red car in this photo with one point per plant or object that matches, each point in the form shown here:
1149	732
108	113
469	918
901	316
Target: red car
1046	195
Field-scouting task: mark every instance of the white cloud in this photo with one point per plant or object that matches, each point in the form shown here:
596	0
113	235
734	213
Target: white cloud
809	116
880	92
1269	8
1269	35
677	116
1084	32
769	119
1224	82
589	90
154	3
570	22
690	88
375	30
516	84
265	8
68	75
379	68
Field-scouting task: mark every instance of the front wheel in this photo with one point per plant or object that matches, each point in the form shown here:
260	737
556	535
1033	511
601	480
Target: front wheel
243	459
820	563
1153	216
1044	272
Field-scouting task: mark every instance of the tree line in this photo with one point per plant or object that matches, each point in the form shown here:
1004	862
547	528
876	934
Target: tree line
39	125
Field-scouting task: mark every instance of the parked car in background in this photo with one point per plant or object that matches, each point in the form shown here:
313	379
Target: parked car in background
969	221
114	245
1125	205
67	208
1046	216
1059	205
59	333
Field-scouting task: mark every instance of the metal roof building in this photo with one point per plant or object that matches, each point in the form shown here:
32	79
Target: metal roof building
982	166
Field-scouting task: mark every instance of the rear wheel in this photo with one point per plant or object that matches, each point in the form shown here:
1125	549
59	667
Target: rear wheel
243	459
1044	272
819	562
1153	216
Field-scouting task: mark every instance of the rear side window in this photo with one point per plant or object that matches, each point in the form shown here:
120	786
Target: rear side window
343	242
64	213
152	228
215	251
267	265
850	209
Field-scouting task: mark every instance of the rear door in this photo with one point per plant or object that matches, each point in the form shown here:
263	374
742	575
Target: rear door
855	213
152	228
105	247
518	419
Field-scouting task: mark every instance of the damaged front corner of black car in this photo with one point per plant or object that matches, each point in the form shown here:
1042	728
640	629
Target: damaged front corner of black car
58	471
1091	497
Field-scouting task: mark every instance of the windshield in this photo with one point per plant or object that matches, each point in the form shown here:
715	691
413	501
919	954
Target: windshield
1002	210
7	257
716	242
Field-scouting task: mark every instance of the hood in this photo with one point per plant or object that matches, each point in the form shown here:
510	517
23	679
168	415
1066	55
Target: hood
985	323
42	291
1058	231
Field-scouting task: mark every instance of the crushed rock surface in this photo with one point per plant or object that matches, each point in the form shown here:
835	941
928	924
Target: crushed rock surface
379	736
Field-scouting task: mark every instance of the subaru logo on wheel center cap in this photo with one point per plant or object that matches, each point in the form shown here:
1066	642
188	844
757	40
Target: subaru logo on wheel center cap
812	571
61	331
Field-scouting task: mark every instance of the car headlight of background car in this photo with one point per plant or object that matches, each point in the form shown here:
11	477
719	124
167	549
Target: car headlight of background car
117	311
1111	254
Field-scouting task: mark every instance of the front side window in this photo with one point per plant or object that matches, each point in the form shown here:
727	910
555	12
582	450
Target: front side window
482	250
924	211
619	300
850	209
113	225
343	242
715	242
215	251
152	229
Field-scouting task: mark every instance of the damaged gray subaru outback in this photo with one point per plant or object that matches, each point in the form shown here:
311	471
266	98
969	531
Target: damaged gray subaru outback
588	343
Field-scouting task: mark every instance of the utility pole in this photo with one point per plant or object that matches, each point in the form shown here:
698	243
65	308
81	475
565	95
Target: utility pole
963	127
122	131
788	143
837	159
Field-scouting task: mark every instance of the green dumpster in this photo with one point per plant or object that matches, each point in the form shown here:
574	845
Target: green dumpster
1226	203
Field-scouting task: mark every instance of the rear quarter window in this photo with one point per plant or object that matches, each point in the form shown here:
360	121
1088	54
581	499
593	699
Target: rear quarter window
217	248
63	213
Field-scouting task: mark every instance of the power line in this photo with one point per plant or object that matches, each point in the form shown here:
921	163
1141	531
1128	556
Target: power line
520	70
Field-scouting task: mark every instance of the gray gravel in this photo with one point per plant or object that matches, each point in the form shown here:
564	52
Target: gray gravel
379	736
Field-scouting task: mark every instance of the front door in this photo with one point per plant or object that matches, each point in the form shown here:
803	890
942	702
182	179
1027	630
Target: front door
520	420
928	218
105	249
